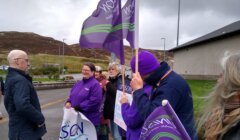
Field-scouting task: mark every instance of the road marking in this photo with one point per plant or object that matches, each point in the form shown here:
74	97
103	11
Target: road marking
6	119
54	102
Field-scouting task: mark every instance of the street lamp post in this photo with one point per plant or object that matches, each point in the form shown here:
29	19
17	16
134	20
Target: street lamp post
163	47
113	57
178	22
63	56
46	60
59	59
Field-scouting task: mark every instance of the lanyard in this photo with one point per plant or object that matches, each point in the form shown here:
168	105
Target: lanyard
164	76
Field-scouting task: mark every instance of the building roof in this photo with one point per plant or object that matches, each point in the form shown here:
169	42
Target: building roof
225	31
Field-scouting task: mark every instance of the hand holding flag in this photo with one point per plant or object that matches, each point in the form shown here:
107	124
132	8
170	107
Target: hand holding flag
124	98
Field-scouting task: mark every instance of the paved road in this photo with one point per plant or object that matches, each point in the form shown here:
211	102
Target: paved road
52	103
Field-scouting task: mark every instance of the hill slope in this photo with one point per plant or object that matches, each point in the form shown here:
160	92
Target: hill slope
36	44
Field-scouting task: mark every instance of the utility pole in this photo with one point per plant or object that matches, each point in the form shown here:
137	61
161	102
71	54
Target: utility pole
164	57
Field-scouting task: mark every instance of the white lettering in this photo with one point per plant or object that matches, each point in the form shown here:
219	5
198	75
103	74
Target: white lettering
129	10
108	6
72	131
160	121
144	131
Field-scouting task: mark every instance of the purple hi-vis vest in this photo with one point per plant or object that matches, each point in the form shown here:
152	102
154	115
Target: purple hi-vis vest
159	126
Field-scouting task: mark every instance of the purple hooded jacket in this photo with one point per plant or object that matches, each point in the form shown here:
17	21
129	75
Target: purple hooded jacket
132	119
87	94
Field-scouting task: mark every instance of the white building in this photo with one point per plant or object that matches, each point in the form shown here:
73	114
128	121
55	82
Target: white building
200	58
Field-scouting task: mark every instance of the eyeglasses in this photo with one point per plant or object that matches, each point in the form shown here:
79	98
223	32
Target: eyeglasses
85	70
22	59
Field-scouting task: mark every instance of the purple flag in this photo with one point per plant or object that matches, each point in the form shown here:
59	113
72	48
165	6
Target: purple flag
103	29
175	119
163	124
117	48
128	21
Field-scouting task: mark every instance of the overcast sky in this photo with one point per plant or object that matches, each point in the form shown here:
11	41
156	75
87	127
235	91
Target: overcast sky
158	18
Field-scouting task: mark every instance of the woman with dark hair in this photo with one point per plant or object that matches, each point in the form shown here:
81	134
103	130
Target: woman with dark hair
86	95
220	119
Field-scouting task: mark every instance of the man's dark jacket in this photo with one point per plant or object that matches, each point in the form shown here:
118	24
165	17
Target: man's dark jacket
22	104
173	88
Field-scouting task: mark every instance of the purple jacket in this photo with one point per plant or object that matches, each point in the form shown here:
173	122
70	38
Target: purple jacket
132	119
87	94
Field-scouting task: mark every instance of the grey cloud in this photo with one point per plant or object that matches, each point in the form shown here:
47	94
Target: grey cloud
169	7
158	18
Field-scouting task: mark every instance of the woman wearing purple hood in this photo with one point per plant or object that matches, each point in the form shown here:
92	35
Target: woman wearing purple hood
166	85
131	116
86	95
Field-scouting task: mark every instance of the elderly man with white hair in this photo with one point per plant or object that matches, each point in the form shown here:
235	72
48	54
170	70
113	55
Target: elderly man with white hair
26	121
109	104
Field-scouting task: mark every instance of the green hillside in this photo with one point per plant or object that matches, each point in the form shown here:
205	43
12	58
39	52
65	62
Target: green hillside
72	63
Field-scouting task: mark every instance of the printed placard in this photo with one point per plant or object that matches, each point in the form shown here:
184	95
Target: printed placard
118	119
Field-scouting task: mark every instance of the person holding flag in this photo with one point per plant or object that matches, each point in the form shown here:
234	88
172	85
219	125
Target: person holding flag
166	85
109	104
106	29
131	116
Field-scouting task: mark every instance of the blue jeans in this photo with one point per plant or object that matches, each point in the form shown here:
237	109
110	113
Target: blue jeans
115	132
104	130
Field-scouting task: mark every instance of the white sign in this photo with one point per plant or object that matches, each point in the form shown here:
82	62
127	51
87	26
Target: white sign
118	119
75	126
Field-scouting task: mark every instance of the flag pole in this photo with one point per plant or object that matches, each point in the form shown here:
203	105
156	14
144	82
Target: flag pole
123	79
136	33
136	65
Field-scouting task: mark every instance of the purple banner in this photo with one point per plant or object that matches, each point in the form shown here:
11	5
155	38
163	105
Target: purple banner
128	21
103	29
162	124
176	120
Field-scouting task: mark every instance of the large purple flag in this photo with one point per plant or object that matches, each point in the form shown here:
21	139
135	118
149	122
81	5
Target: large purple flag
128	21
163	124
103	29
